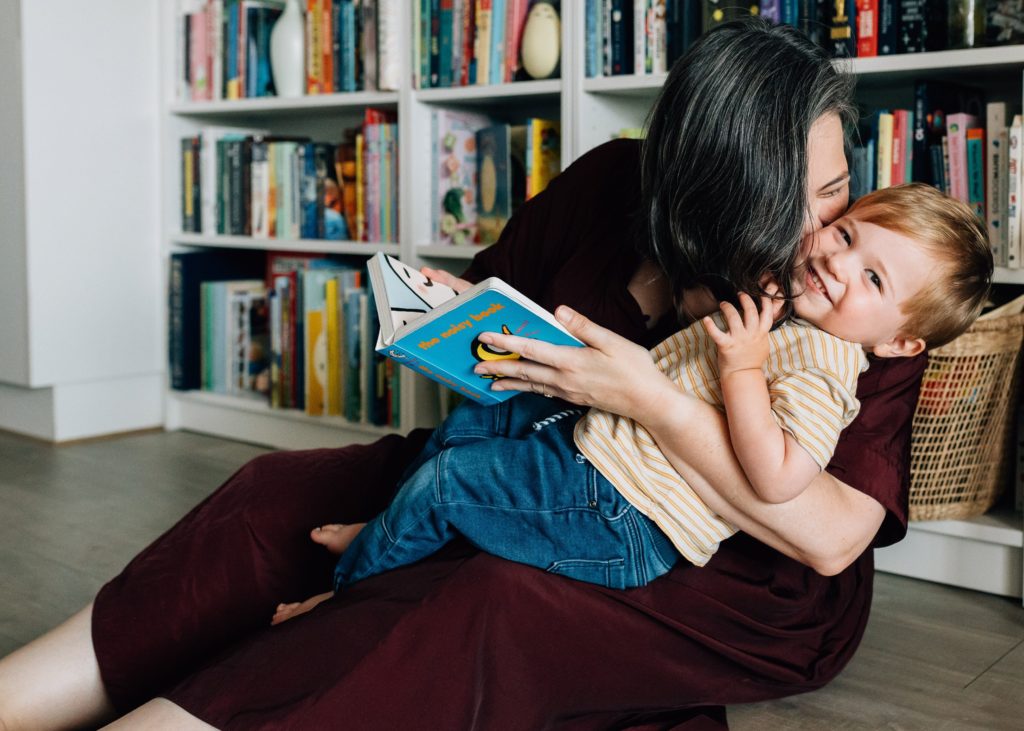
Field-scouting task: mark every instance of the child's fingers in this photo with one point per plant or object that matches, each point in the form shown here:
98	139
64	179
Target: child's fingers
714	332
750	316
731	316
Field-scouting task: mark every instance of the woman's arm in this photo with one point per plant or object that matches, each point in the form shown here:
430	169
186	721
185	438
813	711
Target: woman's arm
826	527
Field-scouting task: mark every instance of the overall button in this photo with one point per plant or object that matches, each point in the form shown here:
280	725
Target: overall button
593	503
580	459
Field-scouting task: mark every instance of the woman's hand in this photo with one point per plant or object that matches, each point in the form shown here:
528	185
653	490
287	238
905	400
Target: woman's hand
611	373
442	277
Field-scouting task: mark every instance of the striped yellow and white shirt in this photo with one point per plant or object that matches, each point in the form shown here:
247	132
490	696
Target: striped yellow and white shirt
812	382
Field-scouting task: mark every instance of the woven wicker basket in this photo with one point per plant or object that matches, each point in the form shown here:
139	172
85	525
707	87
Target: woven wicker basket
963	426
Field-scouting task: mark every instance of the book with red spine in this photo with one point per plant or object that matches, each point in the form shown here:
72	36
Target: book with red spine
867	28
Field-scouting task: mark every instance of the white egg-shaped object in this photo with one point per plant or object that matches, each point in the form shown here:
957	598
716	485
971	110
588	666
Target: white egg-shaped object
541	44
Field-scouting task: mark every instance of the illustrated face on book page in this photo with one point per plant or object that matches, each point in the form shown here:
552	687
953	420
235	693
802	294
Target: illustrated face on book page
410	293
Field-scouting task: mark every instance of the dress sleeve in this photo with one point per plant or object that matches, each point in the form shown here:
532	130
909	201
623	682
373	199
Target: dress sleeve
873	453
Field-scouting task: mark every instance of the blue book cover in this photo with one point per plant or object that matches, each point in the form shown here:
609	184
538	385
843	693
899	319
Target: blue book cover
426	326
497	50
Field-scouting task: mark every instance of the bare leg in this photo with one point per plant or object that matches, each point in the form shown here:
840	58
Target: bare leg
287	611
336	537
54	681
157	715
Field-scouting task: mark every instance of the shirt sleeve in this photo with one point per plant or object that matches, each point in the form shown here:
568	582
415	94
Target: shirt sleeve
873	453
814	405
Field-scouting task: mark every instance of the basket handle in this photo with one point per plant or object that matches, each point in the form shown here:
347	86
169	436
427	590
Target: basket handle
1013	307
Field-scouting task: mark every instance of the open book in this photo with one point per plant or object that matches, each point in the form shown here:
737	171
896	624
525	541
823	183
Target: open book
428	327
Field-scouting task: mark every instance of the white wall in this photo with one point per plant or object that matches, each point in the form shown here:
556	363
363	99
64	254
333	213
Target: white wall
80	276
91	183
14	365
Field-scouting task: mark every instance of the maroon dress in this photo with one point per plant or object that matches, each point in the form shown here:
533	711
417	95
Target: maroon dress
466	640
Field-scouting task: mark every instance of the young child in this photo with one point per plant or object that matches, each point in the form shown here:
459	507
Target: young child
593	498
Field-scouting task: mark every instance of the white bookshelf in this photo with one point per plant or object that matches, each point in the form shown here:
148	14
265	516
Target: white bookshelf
592	110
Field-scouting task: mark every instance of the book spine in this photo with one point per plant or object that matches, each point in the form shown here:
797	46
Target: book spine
466	57
1003	194
956	133
482	44
309	226
514	34
976	171
360	188
659	36
888	27
333	405
327	50
389	41
867	28
446	29
639	36
1013	185
912	28
995	126
424	45
899	122
841	33
885	138
456	59
593	45
176	330
499	23
621	39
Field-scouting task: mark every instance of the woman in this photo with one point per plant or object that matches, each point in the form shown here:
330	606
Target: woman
740	158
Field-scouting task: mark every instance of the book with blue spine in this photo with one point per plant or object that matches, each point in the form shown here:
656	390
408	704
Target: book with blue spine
427	326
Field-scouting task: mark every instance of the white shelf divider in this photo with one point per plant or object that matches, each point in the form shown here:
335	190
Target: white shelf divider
362	248
273	104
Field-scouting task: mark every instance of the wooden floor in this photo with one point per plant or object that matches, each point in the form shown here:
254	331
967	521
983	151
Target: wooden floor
933	657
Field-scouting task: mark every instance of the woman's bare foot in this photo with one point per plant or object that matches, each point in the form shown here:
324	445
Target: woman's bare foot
287	611
336	537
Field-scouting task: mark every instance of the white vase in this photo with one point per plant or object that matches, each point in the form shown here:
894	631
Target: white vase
288	51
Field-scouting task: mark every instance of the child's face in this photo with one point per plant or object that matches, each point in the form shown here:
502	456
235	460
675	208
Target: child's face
855	279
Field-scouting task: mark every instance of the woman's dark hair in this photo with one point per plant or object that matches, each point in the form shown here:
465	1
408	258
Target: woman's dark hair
724	163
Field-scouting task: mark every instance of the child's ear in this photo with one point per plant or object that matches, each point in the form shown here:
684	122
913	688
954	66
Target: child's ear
899	347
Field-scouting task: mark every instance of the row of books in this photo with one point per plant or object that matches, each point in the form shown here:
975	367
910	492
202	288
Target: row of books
468	42
250	183
953	140
482	171
646	36
296	330
224	47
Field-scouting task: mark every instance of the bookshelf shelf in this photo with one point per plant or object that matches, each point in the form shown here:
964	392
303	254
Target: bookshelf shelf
1008	276
640	85
253	420
518	91
445	251
312	245
278	105
971	60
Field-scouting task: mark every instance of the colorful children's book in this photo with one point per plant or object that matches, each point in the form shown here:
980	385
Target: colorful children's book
426	326
501	173
454	174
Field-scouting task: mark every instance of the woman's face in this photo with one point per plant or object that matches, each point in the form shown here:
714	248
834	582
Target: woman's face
828	177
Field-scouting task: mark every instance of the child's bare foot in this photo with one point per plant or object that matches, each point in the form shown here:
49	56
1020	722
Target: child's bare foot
336	537
287	611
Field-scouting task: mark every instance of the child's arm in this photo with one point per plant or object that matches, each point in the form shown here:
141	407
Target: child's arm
777	466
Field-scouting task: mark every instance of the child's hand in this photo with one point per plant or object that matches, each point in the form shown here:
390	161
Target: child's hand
745	345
